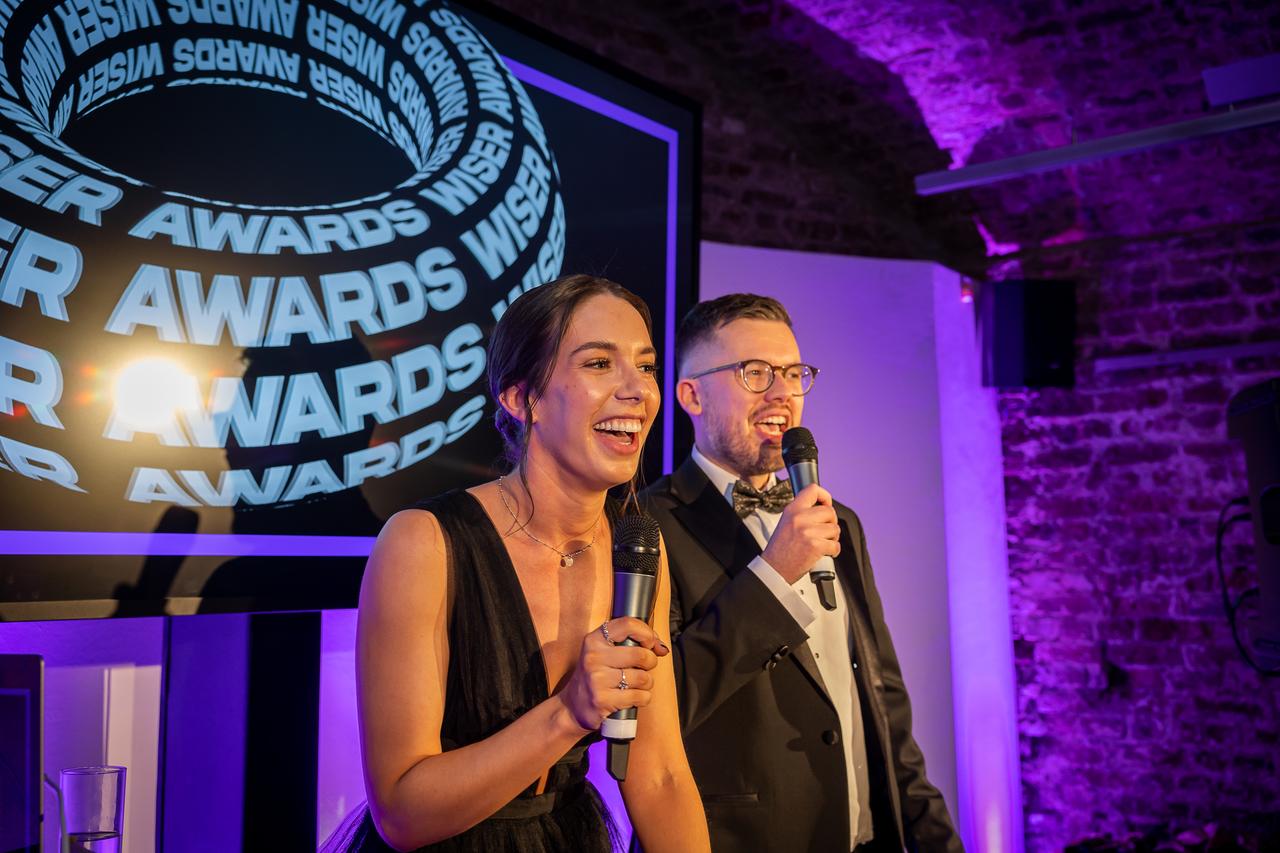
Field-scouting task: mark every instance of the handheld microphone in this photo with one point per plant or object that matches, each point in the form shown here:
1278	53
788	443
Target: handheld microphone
635	582
800	455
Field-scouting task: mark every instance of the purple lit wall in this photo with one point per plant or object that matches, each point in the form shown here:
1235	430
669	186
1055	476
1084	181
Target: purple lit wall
1136	712
101	706
205	733
989	800
340	776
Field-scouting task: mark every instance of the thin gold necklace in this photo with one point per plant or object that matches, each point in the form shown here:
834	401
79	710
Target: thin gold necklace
566	558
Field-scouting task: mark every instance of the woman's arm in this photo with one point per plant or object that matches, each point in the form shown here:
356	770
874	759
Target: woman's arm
662	800
417	793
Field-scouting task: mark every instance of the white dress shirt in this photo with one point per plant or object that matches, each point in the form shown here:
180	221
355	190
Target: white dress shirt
830	641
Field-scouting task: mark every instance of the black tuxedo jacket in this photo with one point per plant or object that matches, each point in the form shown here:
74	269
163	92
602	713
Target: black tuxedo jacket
762	736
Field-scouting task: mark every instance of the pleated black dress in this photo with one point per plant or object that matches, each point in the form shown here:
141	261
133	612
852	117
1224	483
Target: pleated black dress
496	673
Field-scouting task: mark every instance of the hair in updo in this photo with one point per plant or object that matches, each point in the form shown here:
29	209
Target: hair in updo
526	340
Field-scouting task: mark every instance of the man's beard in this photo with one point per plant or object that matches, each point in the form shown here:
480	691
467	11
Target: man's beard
747	457
768	459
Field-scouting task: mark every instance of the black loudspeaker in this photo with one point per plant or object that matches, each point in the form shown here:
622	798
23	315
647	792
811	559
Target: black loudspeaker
1253	418
1027	331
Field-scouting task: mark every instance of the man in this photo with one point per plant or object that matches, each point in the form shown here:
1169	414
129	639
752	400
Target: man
792	704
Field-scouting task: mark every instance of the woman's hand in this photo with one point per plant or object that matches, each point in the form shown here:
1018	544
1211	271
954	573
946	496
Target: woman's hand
595	690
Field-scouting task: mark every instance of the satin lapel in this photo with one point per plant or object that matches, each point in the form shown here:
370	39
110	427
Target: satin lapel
804	659
711	520
853	576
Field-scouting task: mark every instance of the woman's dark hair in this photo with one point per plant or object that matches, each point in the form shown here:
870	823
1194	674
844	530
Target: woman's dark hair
523	351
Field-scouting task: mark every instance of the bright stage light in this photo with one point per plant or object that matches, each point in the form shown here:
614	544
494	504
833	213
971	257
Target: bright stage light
150	393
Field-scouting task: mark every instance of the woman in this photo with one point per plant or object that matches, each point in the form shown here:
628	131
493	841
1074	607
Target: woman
486	657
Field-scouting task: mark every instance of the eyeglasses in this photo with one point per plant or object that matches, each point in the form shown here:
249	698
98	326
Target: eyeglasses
758	376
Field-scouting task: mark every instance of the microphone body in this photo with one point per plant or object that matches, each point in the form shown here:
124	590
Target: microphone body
802	473
800	455
635	584
632	596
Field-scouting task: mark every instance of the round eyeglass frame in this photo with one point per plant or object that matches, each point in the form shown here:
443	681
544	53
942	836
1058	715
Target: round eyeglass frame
774	370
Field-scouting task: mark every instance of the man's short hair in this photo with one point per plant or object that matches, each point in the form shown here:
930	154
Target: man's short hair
707	318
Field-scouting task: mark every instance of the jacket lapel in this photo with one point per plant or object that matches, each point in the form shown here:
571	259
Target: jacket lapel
710	519
804	659
853	576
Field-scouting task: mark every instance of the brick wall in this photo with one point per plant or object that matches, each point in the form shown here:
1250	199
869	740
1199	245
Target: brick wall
807	144
1135	709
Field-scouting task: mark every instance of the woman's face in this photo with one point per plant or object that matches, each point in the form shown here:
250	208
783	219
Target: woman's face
602	398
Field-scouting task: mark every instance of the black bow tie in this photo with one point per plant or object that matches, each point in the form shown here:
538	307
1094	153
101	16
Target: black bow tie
747	498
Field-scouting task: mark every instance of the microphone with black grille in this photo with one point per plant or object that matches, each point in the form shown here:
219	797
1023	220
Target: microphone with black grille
800	455
635	582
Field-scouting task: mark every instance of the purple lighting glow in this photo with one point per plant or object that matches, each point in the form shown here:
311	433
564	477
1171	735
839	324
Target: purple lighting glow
985	706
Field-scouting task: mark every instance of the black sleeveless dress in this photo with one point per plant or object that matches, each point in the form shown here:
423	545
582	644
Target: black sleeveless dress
496	673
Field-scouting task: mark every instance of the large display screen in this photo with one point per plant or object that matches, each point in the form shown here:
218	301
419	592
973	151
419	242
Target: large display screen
251	253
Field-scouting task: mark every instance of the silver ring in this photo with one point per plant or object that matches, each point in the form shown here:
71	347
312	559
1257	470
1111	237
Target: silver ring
622	685
604	631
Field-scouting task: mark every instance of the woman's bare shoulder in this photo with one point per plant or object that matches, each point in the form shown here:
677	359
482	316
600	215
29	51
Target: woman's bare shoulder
408	557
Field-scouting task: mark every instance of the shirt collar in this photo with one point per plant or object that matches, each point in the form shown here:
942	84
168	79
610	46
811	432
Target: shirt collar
719	477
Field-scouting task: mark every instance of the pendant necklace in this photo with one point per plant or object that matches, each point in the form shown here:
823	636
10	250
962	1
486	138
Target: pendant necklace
566	557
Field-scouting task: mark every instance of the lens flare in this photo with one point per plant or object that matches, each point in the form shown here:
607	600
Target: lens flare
150	393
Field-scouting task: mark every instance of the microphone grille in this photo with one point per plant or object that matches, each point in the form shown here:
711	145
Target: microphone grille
798	446
636	543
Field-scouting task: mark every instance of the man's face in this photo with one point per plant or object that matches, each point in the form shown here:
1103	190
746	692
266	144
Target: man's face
736	428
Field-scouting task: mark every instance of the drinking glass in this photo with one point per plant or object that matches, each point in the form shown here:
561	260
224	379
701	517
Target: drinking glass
93	799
